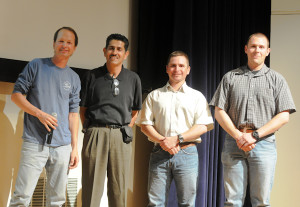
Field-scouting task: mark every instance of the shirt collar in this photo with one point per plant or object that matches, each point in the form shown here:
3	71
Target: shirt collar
182	89
244	70
107	75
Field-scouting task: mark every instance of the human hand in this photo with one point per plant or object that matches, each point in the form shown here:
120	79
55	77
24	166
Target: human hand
174	150
168	143
74	159
47	120
245	140
248	148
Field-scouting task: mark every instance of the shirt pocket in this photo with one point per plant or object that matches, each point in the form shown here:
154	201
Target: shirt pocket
265	96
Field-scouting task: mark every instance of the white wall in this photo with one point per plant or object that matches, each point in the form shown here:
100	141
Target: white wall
27	27
285	58
26	32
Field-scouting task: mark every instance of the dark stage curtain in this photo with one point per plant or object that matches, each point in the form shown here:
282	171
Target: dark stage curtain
213	33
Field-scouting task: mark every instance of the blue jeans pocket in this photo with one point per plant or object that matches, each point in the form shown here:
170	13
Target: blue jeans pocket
190	150
156	149
270	139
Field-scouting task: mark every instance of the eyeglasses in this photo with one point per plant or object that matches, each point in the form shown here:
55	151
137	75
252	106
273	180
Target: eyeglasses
116	90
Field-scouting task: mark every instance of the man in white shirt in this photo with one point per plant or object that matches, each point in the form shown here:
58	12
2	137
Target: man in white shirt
174	117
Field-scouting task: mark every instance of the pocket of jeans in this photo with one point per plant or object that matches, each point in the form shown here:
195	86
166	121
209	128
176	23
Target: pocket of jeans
29	146
156	149
192	150
270	139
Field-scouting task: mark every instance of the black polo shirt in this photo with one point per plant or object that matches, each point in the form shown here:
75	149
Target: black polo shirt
102	106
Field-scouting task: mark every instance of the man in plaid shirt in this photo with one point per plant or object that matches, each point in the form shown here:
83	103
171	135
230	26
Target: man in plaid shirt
251	103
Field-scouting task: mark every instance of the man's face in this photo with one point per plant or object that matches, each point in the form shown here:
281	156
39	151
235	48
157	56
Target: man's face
115	52
177	69
65	43
257	50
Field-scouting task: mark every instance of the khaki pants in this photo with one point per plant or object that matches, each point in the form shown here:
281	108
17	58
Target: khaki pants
104	149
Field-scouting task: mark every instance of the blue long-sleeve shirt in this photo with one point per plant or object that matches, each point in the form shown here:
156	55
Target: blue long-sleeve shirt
53	90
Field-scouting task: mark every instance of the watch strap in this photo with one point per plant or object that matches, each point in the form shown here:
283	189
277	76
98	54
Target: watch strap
180	138
255	135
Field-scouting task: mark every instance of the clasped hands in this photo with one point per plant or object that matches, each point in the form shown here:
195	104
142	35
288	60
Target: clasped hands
246	142
170	144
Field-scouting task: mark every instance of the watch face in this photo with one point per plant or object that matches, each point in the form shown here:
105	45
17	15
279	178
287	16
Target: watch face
255	135
180	137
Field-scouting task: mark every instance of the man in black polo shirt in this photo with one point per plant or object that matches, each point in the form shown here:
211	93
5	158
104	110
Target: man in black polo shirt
110	99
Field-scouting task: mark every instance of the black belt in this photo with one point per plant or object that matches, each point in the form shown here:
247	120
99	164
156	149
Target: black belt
110	126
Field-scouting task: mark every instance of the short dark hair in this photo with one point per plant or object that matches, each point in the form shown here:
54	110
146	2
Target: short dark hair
71	30
178	53
258	34
117	37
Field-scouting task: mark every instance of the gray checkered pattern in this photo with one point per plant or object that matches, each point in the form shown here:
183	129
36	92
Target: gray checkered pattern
252	99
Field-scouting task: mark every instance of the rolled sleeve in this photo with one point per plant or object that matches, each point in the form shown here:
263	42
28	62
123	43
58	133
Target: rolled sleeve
203	115
145	116
25	79
74	97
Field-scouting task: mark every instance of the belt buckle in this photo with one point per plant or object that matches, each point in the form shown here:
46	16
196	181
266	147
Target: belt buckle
113	126
245	129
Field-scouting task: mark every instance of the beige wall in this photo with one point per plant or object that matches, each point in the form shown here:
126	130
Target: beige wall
27	27
10	142
285	58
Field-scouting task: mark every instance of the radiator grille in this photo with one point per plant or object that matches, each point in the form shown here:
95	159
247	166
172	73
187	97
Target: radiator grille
39	195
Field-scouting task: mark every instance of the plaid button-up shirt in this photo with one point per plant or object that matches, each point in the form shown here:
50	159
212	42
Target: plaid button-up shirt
251	99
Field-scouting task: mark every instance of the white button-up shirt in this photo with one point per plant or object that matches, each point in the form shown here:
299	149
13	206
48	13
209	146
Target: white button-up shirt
174	112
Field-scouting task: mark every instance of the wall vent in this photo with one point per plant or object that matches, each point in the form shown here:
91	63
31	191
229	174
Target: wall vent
39	195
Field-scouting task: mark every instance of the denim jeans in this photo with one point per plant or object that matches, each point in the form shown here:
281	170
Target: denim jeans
163	168
256	168
33	158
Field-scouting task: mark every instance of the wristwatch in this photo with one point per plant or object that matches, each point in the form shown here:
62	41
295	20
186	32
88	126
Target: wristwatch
255	135
180	138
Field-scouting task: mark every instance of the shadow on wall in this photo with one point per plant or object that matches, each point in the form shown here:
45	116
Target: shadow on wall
10	149
143	149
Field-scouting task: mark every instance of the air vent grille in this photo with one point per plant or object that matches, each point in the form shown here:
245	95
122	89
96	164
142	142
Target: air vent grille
39	195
